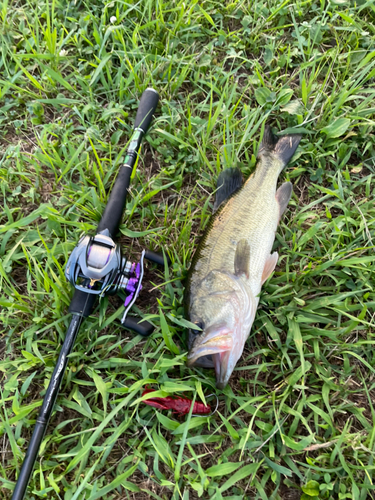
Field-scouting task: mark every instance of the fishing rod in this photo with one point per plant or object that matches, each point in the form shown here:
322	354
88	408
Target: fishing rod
97	268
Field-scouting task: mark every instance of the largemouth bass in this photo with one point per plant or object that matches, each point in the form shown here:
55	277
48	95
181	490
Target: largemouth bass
234	258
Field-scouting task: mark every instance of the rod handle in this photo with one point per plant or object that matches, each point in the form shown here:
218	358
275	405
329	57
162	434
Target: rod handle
112	215
146	109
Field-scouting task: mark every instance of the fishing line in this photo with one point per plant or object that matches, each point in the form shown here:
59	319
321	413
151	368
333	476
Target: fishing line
213	412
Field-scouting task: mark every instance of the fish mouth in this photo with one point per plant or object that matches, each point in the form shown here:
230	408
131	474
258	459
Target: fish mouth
222	368
213	351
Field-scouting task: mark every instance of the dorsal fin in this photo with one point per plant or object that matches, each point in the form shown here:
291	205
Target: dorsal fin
242	259
228	182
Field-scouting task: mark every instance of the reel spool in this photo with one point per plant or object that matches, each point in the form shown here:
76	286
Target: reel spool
96	265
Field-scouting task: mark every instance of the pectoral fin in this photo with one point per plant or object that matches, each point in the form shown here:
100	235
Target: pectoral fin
228	182
242	258
283	195
269	266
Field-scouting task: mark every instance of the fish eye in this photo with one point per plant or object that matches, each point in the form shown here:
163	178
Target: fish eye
199	325
193	335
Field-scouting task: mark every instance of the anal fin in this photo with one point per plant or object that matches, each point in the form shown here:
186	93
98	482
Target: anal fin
228	182
283	195
242	259
269	266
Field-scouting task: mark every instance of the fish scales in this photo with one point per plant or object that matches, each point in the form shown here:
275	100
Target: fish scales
233	260
252	213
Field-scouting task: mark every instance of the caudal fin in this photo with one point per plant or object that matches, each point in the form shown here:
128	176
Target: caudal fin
283	147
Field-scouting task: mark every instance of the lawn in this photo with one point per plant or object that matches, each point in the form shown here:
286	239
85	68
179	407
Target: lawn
297	419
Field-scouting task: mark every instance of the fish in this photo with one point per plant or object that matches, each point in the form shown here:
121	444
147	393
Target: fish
234	259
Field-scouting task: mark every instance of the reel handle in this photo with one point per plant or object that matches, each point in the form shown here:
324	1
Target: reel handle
156	257
112	215
135	324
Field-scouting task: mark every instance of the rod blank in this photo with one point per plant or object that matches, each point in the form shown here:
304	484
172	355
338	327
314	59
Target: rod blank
46	409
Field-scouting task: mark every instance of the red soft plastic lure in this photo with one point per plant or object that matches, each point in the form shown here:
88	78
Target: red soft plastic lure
179	405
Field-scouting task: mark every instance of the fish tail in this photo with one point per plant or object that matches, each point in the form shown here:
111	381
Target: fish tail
283	148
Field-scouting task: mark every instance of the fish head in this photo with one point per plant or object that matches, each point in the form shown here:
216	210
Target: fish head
223	312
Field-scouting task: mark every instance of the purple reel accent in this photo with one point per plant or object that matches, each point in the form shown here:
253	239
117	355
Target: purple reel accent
131	287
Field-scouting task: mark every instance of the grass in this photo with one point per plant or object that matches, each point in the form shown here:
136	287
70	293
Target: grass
297	418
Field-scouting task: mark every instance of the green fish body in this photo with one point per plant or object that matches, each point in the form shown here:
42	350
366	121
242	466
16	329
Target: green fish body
234	258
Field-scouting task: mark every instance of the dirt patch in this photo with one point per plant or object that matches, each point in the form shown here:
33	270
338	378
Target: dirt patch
287	493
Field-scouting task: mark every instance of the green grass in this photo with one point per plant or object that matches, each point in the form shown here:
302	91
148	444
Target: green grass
297	419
